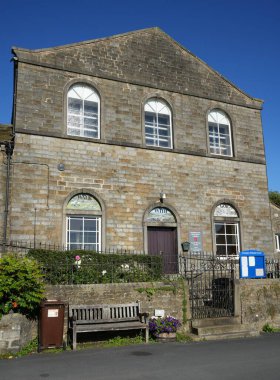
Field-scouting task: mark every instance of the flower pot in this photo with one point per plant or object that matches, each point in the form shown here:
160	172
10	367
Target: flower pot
166	337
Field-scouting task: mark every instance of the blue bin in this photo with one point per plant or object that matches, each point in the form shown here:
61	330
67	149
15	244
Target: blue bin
252	264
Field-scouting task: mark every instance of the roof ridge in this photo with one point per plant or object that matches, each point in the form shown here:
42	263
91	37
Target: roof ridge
120	35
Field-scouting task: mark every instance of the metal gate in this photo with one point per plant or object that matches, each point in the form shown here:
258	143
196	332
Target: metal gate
212	288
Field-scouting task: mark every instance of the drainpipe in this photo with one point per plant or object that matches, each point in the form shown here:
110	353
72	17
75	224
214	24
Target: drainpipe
9	152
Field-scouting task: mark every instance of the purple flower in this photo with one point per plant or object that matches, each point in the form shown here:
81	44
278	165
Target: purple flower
163	324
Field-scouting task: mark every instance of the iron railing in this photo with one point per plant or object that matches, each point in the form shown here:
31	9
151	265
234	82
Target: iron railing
184	265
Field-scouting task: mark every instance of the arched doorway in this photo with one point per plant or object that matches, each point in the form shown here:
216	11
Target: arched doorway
161	229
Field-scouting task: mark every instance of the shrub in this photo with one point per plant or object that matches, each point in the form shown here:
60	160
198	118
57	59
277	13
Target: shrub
89	267
21	285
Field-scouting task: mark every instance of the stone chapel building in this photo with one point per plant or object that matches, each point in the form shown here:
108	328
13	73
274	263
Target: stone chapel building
132	142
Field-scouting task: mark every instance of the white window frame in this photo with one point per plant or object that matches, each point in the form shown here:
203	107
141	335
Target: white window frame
227	245
217	140
277	242
96	245
225	214
157	138
83	92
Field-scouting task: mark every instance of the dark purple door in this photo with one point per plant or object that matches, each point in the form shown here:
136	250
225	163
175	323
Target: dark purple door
163	241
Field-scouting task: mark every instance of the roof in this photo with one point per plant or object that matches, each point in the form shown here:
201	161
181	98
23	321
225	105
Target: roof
147	57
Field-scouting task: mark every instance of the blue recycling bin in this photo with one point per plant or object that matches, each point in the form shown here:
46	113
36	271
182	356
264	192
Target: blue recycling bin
252	264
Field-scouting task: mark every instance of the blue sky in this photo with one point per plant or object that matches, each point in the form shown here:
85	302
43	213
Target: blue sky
239	39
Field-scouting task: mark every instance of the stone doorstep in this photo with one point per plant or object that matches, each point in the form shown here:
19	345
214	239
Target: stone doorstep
222	328
216	321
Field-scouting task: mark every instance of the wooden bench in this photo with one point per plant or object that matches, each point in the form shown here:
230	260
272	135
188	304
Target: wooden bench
94	318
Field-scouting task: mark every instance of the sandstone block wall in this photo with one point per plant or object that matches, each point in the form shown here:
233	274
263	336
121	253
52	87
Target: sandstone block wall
260	302
163	296
128	181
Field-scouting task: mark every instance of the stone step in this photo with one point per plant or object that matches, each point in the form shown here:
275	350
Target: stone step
221	328
216	321
229	335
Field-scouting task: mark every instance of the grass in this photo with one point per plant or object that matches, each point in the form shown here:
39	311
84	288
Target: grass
270	329
118	341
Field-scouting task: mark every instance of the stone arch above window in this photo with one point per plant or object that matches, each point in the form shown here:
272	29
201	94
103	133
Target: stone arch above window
220	134
83	111
158	123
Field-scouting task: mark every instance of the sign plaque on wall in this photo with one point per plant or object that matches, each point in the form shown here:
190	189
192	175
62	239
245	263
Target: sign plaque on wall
195	239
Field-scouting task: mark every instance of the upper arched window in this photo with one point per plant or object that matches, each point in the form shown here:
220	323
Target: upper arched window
219	133
158	127
83	111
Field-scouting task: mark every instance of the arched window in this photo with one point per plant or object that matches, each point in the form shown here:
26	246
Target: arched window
83	223
226	230
219	130
83	111
158	124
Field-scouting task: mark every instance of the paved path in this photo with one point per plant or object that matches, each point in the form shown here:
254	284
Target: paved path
242	359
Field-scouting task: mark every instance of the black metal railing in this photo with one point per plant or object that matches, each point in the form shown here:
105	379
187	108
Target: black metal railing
272	267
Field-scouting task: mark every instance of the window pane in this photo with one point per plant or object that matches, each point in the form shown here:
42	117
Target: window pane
90	225
76	224
90	237
90	108
219	228
231	228
73	246
220	239
163	119
76	237
221	250
75	106
231	239
231	250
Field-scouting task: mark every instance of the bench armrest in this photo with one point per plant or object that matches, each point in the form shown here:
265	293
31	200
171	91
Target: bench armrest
143	317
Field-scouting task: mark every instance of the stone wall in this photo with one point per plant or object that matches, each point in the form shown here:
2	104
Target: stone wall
260	302
15	332
164	296
275	219
128	181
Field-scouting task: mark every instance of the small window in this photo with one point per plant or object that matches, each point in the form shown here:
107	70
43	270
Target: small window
219	131
158	128
83	112
226	230
277	242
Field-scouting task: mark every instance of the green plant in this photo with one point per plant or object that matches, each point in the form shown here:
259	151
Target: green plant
274	197
30	348
183	337
167	324
84	267
269	329
21	285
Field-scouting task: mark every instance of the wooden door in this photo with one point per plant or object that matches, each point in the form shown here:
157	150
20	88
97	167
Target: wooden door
163	241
